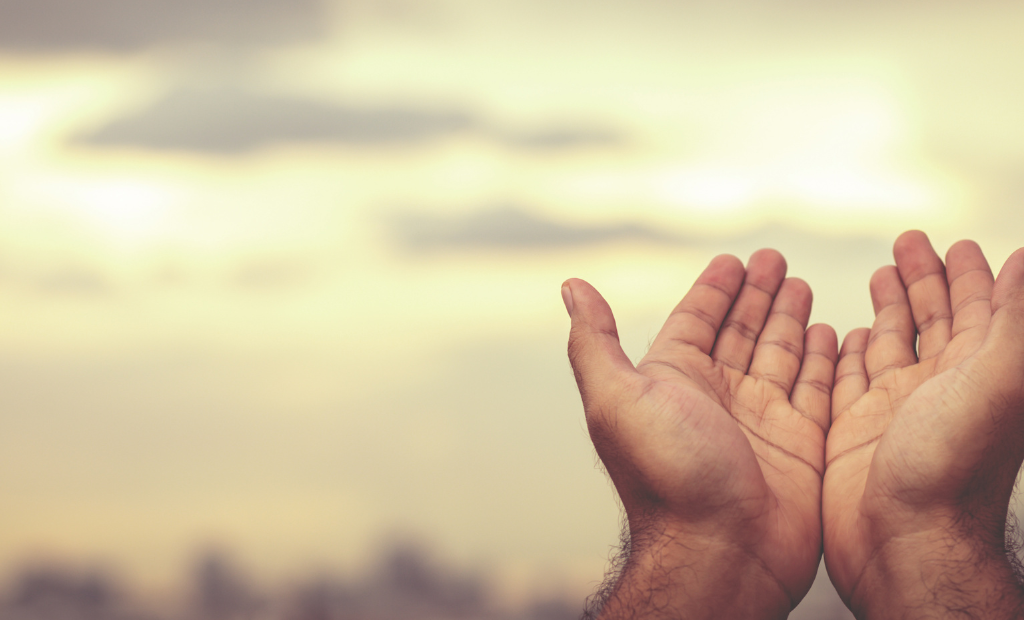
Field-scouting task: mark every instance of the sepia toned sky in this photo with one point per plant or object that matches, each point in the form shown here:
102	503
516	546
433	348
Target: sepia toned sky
284	275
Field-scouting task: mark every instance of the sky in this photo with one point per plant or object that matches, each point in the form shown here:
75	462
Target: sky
285	275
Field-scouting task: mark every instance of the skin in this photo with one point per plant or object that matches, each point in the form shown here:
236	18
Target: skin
715	442
925	442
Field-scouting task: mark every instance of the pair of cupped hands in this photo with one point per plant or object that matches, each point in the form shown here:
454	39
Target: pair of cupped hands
745	444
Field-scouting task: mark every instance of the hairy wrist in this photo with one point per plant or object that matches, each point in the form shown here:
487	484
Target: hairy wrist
938	573
667	572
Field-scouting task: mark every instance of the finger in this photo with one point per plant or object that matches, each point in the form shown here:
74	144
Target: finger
851	374
970	288
780	348
1006	335
812	394
695	321
891	344
924	277
597	358
735	344
1008	292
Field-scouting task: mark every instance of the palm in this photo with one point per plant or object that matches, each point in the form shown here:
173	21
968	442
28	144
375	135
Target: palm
893	405
726	419
768	456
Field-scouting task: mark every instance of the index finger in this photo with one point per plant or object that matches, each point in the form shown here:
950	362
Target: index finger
695	321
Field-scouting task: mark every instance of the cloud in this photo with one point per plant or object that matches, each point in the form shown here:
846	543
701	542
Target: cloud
562	138
232	120
72	282
815	256
270	274
508	227
129	25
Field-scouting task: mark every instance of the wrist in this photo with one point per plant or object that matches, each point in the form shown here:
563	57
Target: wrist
938	573
673	573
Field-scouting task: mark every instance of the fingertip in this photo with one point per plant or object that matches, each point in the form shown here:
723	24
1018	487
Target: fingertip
794	298
766	270
822	338
799	286
855	341
857	333
915	257
965	256
883	275
1014	265
567	297
826	328
909	241
697	318
961	249
911	235
594	350
583	296
724	268
770	253
770	259
575	282
886	287
1009	286
725	272
726	260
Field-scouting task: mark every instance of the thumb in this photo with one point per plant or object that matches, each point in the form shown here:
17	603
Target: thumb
597	358
1008	292
1006	334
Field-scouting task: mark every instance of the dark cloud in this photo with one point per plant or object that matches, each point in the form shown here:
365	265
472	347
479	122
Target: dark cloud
232	120
562	138
128	25
508	227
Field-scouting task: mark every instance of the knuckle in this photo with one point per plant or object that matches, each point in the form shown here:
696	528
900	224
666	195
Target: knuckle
742	328
789	347
576	348
818	386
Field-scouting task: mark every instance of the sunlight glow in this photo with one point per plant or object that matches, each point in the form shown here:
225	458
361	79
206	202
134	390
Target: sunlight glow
838	148
129	211
830	188
844	188
19	120
717	189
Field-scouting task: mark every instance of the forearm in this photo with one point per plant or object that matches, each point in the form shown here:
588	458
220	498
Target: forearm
939	574
670	576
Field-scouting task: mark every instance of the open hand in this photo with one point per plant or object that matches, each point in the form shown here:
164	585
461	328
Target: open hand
926	442
715	441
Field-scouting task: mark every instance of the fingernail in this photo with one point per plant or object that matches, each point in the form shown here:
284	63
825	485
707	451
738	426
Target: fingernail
567	298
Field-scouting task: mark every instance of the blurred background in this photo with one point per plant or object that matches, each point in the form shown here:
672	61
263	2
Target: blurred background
280	325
